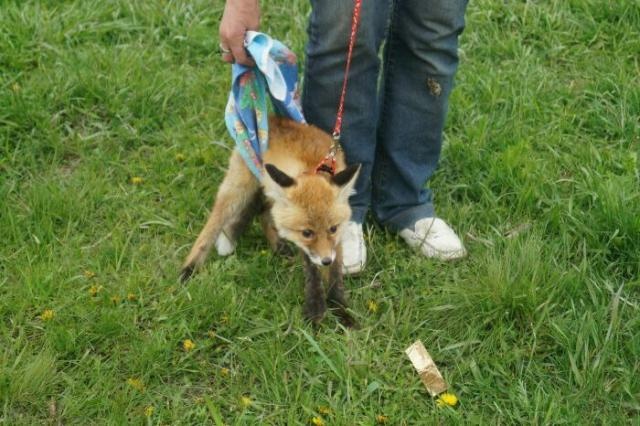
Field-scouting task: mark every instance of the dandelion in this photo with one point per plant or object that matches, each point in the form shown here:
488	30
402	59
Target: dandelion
89	274
317	421
447	400
131	297
224	372
136	180
94	290
324	410
372	306
148	411
381	419
135	383
47	315
245	402
180	157
116	299
211	334
188	345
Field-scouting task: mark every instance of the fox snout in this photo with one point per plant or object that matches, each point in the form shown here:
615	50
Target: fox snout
324	259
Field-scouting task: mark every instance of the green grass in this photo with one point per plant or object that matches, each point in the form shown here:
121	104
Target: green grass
538	326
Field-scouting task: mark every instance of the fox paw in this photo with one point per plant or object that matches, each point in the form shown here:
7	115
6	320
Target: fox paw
187	272
346	319
284	249
314	311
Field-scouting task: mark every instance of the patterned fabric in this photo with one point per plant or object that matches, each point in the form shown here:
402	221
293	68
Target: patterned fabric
246	115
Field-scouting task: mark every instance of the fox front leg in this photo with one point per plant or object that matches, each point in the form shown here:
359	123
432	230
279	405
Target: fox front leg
335	297
315	305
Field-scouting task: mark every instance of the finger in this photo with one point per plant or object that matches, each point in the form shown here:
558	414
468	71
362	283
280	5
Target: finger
239	54
223	48
227	57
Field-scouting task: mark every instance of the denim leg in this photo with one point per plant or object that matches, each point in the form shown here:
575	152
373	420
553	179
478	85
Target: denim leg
420	61
326	53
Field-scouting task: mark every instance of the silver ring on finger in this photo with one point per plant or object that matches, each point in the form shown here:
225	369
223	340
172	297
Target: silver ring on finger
223	49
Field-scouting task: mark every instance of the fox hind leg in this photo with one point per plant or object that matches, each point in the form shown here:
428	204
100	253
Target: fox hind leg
277	244
228	237
234	201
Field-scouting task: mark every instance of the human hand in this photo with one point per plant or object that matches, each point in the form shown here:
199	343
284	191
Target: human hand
238	17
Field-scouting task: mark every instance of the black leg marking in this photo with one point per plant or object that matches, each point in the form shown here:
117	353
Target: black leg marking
315	305
284	249
186	273
336	298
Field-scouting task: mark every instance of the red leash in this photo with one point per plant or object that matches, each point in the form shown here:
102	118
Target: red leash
328	163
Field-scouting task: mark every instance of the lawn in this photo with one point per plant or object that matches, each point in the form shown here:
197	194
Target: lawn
112	144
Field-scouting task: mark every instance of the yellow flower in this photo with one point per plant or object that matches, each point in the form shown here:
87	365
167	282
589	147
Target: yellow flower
245	402
94	290
137	384
224	372
324	410
447	399
47	315
115	299
381	419
136	180
89	274
131	297
372	306
317	421
148	411
180	157
188	345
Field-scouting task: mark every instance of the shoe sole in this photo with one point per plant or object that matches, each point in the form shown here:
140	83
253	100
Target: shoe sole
446	256
352	270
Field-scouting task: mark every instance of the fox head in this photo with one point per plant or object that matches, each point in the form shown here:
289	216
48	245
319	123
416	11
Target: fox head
311	210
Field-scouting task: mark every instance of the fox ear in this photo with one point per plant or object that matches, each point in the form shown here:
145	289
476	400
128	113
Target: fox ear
276	182
346	179
279	177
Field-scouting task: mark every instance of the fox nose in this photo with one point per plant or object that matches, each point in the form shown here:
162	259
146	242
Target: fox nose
326	261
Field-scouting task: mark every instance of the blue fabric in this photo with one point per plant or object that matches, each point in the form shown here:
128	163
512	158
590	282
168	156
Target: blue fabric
246	114
395	108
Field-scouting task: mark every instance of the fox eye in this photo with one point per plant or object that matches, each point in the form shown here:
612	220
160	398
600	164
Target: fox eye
307	233
333	229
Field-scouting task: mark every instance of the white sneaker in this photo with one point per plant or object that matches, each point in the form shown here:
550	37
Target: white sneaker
435	239
224	246
354	252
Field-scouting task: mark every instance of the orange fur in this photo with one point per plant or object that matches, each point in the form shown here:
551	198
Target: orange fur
303	207
313	203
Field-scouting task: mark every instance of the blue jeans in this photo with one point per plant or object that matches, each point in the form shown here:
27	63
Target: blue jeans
392	125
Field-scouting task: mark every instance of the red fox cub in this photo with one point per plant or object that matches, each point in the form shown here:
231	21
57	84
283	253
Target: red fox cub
296	203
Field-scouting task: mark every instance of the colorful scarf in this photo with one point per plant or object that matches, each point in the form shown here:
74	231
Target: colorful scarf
246	115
